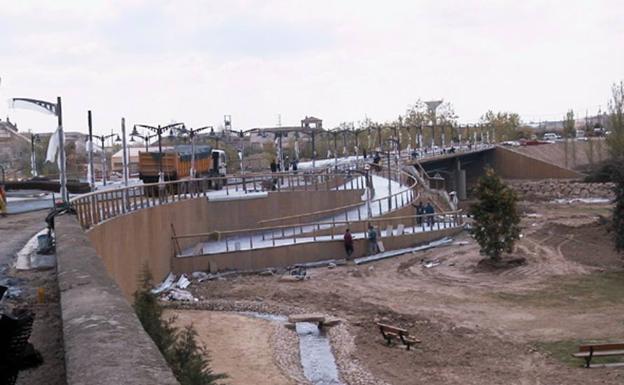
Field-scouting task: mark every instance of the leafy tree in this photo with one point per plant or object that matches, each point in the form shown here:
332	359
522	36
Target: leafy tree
506	125
615	140
418	114
569	132
496	218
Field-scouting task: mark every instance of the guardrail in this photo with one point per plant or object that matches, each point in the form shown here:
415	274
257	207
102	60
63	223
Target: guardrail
405	195
274	236
96	207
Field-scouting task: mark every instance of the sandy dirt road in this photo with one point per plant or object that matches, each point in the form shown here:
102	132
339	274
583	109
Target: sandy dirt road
239	346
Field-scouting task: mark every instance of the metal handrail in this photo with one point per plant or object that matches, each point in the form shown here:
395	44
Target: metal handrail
95	207
424	222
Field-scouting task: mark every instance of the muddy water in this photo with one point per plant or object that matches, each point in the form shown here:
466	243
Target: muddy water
317	359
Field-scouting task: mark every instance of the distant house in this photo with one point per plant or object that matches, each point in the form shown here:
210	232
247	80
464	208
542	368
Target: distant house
261	136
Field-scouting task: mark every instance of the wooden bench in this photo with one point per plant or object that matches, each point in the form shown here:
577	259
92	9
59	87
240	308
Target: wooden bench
589	351
390	332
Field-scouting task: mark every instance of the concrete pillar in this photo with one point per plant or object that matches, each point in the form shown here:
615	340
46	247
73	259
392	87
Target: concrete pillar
459	182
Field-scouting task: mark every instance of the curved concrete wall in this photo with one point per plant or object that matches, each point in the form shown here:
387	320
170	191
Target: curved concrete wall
128	242
104	341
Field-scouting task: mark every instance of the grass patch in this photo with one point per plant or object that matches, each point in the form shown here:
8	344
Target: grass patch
562	352
593	289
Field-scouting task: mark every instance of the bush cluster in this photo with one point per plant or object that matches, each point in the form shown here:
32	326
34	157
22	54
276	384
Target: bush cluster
187	358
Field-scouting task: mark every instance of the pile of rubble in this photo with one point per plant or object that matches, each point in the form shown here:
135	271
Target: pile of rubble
551	189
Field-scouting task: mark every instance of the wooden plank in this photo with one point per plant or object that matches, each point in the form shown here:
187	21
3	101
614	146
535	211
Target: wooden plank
310	317
597	347
392	329
600	353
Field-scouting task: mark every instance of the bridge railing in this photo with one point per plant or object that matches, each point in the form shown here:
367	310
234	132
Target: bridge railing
96	207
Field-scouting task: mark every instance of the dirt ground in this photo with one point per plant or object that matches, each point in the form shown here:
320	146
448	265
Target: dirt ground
46	337
237	344
478	326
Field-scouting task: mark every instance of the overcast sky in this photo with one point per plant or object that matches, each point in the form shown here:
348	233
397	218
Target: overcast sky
196	60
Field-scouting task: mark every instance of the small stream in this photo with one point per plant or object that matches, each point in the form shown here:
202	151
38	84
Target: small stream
317	359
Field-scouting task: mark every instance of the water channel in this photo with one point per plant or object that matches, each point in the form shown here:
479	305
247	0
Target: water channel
317	359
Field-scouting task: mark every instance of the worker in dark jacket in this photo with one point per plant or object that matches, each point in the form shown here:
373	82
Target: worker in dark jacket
430	211
274	169
372	240
420	210
348	243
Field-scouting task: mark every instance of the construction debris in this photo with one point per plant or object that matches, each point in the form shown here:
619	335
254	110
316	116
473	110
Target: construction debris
183	282
430	264
179	295
166	285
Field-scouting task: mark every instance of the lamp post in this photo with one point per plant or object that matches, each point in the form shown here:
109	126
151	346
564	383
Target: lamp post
192	133
54	109
432	106
310	131
214	136
159	130
102	139
389	142
335	135
34	138
124	148
90	152
145	138
356	134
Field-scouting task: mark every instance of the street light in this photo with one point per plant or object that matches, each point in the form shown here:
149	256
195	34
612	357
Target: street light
159	130
145	138
102	139
54	109
395	141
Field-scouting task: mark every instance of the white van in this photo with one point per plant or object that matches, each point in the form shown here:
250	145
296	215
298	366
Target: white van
551	136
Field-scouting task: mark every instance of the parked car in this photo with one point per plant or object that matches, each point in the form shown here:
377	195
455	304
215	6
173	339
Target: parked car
551	136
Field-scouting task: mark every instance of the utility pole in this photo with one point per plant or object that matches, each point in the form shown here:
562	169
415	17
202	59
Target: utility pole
59	114
125	152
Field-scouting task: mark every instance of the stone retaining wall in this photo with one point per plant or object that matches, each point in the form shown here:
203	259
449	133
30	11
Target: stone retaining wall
104	341
550	189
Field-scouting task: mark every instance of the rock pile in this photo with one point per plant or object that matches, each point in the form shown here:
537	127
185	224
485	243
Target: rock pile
550	189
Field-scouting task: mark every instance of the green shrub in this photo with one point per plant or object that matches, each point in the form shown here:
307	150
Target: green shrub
187	358
496	218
